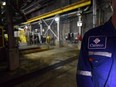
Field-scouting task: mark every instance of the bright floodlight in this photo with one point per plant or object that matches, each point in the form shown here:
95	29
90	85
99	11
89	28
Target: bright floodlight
43	30
3	3
79	23
57	19
26	27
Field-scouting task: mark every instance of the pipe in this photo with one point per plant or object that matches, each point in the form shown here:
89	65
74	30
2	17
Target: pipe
2	37
94	13
60	10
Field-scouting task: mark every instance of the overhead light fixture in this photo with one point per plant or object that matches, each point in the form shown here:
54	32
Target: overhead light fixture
43	30
57	19
26	27
79	23
3	3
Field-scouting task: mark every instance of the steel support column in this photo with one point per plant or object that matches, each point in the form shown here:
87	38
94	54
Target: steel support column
58	32
41	28
13	53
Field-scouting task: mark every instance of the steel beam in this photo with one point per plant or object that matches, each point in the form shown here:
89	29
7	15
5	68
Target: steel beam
73	6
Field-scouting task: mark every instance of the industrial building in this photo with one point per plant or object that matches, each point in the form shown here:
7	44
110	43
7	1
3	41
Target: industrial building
40	40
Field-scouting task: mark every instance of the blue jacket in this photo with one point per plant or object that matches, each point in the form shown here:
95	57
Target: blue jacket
97	59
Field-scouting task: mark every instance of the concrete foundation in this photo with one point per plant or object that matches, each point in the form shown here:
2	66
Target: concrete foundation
57	44
13	59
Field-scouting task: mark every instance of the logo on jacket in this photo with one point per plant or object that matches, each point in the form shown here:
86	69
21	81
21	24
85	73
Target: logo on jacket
97	42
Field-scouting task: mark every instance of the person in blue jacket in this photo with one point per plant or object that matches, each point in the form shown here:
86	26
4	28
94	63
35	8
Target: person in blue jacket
97	59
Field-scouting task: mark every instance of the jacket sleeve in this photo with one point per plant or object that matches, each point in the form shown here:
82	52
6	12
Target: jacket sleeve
84	74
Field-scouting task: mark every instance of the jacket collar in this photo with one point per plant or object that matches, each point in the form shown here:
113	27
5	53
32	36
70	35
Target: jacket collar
108	29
